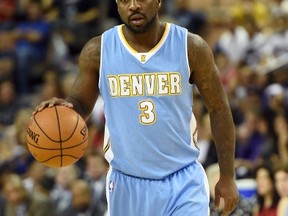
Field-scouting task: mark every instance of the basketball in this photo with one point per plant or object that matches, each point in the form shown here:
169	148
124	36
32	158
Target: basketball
57	136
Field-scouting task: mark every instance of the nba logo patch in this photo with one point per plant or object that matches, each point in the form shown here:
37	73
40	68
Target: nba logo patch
111	186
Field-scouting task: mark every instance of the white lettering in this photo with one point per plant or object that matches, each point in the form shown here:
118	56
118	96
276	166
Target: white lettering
150	84
175	83
113	84
124	85
137	84
164	83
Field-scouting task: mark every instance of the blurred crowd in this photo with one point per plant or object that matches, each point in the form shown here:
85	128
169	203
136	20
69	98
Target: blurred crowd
40	41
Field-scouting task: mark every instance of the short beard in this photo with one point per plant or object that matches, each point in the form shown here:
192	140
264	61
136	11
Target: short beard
143	29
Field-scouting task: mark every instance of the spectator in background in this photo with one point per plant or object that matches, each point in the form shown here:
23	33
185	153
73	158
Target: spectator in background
112	12
21	202
7	60
247	94
67	82
7	10
61	193
2	204
9	103
83	202
77	22
35	173
2	200
267	196
95	175
195	21
7	66
283	207
250	144
15	156
281	184
281	179
284	6
32	38
234	41
276	45
257	37
274	105
49	86
281	131
44	186
255	8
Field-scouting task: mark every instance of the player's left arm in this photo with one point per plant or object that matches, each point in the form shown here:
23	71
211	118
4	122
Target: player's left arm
205	75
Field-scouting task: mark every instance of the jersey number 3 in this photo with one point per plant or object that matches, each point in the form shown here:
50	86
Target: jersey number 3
148	115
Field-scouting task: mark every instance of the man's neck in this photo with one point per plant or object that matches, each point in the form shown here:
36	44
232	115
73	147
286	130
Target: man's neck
145	41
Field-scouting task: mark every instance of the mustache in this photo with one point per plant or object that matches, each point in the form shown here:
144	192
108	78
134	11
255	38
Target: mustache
136	14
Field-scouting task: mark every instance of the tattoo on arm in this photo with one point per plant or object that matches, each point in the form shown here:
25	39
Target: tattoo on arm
85	89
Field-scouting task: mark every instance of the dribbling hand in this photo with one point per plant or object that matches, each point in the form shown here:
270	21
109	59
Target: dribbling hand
52	102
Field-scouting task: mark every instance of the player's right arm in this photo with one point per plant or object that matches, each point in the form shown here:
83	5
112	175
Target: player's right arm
85	90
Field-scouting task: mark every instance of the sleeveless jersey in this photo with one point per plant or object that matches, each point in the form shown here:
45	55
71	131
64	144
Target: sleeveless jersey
147	104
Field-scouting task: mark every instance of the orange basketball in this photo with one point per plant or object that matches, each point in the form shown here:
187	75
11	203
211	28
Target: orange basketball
57	136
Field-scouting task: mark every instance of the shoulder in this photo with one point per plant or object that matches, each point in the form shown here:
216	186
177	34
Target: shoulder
93	45
90	54
196	43
199	52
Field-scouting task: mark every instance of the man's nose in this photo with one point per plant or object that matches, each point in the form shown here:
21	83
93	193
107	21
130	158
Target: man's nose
134	5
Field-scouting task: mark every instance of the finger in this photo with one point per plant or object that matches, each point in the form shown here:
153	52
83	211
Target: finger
66	104
39	108
233	204
217	200
59	101
44	104
54	101
226	212
229	206
70	105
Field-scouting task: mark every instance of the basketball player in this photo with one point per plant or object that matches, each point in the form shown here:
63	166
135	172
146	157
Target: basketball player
145	70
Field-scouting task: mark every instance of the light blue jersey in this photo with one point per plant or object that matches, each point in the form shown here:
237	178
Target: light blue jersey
150	128
147	104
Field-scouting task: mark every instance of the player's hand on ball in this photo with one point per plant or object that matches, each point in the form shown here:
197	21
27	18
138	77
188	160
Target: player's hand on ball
52	102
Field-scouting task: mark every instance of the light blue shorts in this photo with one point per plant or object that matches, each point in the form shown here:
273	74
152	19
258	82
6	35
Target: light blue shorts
183	193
